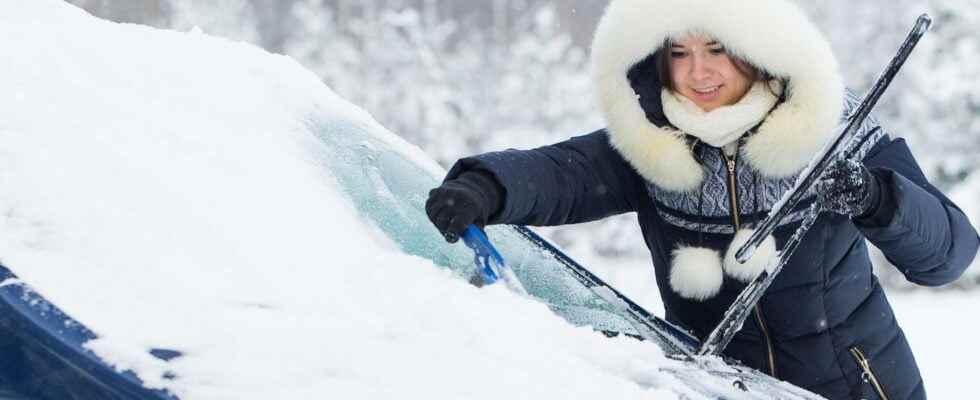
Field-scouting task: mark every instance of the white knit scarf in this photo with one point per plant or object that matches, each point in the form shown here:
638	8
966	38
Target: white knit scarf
722	125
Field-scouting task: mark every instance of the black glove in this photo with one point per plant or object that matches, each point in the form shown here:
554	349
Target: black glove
847	187
470	198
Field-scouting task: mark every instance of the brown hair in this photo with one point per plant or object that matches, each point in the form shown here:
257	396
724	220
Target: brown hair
754	73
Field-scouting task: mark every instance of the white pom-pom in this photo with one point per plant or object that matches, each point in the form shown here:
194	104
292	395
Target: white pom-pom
764	257
696	273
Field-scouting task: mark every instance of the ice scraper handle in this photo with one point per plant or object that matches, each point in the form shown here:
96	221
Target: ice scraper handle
488	260
490	266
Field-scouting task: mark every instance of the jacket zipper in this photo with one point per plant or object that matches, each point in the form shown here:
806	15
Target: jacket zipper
868	376
733	192
765	333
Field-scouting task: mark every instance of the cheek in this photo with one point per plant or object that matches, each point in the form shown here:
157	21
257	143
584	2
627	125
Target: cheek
736	78
741	82
676	74
678	83
677	79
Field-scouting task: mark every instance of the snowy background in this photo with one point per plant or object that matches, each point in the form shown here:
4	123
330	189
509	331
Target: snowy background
455	78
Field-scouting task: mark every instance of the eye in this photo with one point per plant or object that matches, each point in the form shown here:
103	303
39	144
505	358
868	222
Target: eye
717	50
678	54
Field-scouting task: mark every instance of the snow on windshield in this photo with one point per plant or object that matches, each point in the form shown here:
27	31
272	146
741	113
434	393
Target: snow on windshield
163	188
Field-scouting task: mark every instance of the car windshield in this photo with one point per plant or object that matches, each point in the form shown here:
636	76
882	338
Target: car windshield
389	189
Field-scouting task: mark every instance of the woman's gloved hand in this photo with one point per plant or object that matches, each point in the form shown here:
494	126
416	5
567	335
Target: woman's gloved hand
847	187
470	198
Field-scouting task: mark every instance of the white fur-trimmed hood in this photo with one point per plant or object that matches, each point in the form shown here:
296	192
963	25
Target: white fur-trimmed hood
772	34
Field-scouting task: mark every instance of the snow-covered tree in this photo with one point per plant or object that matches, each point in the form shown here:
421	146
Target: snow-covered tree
450	91
934	101
943	107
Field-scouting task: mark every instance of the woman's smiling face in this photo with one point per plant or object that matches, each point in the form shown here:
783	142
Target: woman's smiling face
702	71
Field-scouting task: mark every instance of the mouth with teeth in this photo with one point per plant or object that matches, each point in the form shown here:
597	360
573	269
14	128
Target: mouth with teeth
707	93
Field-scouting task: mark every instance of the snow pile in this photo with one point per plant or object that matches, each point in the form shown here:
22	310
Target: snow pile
162	188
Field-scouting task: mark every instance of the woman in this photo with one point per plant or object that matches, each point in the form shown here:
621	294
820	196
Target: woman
713	110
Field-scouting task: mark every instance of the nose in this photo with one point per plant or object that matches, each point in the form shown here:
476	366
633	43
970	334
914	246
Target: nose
700	69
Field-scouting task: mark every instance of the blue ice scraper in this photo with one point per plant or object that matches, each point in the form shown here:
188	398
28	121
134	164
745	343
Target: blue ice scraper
490	266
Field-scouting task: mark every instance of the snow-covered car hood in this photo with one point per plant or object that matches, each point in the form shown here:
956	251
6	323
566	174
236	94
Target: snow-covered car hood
179	191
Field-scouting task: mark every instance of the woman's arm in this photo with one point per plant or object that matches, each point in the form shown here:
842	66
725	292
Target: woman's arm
927	237
578	180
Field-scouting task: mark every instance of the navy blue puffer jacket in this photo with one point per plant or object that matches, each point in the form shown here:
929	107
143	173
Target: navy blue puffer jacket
825	315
